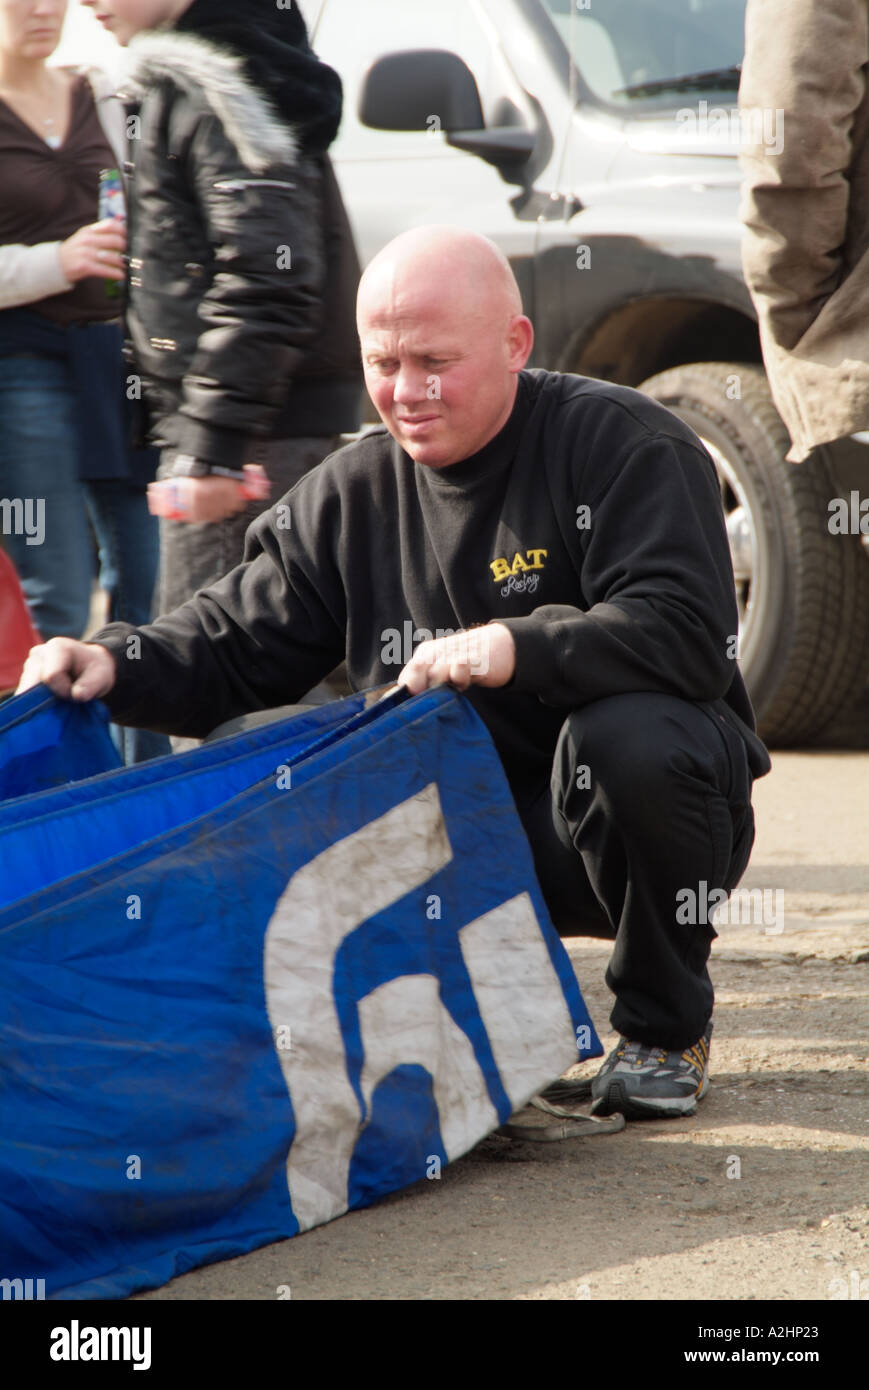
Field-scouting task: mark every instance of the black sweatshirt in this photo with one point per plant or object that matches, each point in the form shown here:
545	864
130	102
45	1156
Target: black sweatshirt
591	526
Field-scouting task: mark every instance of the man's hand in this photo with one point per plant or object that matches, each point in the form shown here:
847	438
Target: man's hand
73	670
479	656
196	499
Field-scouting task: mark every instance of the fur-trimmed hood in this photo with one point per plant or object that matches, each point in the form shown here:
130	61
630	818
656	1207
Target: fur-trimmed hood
259	133
256	68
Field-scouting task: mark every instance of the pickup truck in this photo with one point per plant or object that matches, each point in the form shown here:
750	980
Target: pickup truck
597	141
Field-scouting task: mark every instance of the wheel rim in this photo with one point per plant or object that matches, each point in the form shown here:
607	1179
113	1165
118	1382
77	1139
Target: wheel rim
742	538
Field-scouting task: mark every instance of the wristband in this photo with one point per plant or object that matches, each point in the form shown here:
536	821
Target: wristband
165	498
187	466
253	480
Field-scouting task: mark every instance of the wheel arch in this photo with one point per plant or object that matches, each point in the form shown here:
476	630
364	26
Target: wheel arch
643	337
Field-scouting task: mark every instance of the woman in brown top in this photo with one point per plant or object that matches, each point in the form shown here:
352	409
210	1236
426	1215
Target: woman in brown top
65	459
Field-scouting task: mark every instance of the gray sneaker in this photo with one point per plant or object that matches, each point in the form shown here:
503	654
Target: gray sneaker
650	1082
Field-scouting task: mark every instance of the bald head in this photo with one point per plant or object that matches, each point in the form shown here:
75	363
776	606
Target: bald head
443	337
434	263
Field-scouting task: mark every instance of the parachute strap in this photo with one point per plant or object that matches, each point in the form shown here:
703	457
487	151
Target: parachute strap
576	1124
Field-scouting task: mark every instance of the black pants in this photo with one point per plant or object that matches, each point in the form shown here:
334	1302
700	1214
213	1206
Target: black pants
649	795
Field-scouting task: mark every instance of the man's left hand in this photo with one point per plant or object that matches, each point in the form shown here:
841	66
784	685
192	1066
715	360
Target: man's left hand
478	656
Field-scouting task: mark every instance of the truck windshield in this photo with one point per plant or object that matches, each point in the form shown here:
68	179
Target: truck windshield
652	51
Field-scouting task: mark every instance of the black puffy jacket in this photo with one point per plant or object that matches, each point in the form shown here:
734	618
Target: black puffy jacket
243	271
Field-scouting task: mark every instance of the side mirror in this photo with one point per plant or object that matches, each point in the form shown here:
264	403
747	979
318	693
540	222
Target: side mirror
404	91
408	90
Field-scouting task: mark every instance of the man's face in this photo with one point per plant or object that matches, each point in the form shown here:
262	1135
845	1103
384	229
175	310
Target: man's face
31	28
443	385
124	18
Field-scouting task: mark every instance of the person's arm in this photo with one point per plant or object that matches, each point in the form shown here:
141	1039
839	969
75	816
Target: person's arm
803	81
656	573
30	273
263	306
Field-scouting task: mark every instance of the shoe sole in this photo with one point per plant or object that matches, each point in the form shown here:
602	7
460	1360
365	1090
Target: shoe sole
615	1098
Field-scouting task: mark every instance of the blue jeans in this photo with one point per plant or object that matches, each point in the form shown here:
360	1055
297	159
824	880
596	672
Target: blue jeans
128	537
39	470
49	514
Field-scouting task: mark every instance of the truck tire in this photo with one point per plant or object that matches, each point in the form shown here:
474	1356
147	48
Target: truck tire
803	593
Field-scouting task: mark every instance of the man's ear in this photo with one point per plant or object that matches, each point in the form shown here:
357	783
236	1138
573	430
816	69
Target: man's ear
520	341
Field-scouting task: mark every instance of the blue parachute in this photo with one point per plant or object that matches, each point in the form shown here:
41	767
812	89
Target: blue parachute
247	988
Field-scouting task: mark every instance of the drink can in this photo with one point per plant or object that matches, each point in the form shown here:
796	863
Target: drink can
111	204
111	201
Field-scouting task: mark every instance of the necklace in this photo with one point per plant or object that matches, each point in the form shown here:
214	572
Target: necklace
48	122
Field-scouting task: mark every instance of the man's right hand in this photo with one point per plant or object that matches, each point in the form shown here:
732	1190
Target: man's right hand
73	670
